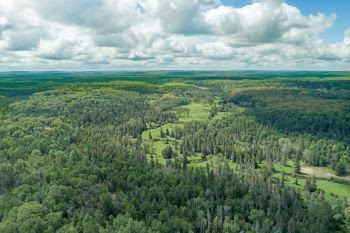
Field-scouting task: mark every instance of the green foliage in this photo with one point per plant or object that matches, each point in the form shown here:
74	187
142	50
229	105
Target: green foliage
340	169
310	184
297	169
107	152
292	110
168	152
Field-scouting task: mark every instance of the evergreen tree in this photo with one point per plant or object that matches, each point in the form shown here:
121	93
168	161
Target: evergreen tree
310	184
340	169
167	132
168	152
296	181
172	134
297	169
162	133
184	161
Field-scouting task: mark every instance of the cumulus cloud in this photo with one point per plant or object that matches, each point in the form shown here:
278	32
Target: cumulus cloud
215	50
183	16
266	21
165	33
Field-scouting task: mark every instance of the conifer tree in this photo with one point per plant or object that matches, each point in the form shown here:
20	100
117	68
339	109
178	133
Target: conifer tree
184	161
167	132
297	169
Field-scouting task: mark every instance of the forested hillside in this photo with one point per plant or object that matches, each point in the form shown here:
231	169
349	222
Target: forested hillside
201	152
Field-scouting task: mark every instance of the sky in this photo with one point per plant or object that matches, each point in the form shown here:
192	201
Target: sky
174	34
340	7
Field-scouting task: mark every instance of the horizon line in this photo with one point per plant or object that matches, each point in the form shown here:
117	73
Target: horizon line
169	70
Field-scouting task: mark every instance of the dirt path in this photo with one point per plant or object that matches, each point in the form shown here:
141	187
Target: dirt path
321	172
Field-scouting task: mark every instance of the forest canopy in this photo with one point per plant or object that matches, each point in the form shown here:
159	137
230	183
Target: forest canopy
201	152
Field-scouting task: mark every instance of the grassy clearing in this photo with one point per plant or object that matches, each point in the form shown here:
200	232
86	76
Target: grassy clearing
158	146
288	169
220	115
155	132
341	188
200	112
214	161
197	112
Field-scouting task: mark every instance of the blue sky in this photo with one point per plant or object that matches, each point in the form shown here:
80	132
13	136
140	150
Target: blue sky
174	34
340	7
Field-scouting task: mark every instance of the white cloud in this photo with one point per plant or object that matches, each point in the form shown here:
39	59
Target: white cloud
215	50
165	33
183	16
266	21
347	37
68	43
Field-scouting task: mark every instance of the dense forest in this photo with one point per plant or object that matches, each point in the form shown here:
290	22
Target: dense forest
171	151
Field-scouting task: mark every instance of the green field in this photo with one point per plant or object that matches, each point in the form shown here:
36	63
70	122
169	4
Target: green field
197	112
338	188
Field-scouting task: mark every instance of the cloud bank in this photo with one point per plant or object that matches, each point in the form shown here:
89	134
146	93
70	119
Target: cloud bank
165	34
